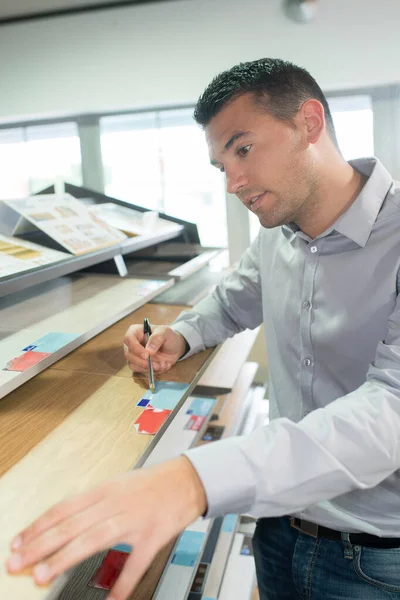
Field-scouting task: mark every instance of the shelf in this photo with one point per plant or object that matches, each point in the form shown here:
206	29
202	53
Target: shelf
21	281
65	307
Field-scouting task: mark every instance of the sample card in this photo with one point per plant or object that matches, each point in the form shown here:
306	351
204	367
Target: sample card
167	394
51	342
66	220
17	256
26	360
40	349
213	433
201	406
188	549
151	420
195	423
109	570
143	402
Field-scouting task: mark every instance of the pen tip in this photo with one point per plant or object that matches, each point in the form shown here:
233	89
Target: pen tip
152	388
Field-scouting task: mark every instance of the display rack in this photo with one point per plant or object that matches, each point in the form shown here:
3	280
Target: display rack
186	232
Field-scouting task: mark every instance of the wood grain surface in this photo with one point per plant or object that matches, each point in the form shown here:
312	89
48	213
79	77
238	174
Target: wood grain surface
32	411
104	353
93	443
70	428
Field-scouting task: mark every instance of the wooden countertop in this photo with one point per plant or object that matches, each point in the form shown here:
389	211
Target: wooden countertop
70	428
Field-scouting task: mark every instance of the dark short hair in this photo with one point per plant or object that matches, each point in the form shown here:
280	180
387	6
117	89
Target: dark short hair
279	87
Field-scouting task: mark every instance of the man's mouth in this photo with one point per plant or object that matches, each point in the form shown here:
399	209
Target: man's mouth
254	202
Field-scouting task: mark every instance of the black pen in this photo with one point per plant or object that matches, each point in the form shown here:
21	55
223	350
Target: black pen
147	333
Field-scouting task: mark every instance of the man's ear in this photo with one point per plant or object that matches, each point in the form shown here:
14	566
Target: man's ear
312	116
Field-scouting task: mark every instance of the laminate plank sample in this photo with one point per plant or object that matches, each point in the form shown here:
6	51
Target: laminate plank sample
104	353
221	376
77	305
93	443
31	412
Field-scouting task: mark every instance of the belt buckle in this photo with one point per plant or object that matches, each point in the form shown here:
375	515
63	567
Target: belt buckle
306	527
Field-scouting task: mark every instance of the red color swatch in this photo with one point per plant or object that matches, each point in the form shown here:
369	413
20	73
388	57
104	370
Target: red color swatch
26	360
109	570
151	419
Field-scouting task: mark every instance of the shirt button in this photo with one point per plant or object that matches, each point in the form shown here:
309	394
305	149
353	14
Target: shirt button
306	304
313	249
307	362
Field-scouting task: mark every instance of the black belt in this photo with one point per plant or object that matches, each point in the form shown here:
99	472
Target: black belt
356	539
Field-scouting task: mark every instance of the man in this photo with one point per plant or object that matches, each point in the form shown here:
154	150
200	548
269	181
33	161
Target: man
322	276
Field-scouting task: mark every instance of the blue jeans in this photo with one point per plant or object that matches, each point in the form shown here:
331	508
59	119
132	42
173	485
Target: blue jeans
295	566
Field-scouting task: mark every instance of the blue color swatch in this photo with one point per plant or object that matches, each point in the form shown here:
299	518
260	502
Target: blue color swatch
201	406
51	342
167	394
123	548
229	523
189	547
143	402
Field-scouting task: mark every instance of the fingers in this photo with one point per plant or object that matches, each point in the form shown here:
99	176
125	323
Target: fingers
56	515
156	341
133	571
98	537
57	536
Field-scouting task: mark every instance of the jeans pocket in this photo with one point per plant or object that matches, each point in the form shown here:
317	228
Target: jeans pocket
379	567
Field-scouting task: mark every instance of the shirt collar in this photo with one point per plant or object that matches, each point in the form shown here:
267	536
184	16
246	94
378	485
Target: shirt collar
358	220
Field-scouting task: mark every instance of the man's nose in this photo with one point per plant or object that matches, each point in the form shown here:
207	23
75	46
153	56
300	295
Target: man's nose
235	180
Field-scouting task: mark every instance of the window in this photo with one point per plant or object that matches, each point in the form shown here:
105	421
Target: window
193	189
13	181
132	161
160	161
53	152
353	120
33	158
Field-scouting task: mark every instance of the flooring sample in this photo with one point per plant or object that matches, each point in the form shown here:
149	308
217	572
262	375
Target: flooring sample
179	575
221	376
104	353
220	557
231	408
75	308
34	410
96	441
239	579
77	422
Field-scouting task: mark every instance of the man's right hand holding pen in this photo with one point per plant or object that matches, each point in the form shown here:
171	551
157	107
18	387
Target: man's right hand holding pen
165	347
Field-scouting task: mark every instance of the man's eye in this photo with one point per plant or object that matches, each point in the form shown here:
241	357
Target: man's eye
244	150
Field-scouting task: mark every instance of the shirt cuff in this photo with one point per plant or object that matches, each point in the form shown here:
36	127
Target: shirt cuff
191	336
225	474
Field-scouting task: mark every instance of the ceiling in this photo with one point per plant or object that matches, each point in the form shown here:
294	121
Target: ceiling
15	10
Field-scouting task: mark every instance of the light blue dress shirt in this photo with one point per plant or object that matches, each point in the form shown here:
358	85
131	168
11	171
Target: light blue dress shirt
331	311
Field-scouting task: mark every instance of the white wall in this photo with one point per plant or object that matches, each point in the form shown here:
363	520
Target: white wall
164	54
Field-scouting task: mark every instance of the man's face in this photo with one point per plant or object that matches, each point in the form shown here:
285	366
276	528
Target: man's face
266	161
